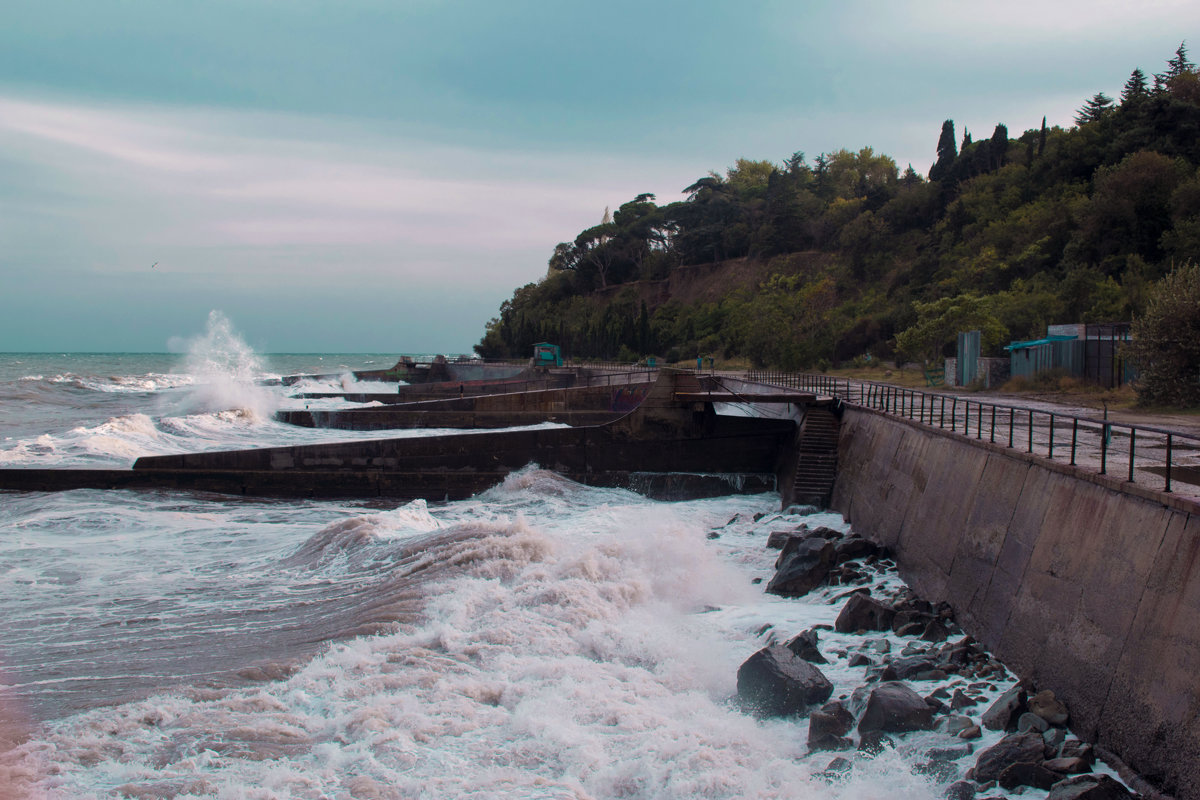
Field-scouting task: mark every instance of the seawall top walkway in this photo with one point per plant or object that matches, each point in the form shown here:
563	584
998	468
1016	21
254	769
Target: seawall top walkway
1153	455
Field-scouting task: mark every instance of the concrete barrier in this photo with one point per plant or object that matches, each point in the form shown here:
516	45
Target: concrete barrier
1081	583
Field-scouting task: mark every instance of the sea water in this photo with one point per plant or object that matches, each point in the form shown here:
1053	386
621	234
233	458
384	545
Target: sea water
543	639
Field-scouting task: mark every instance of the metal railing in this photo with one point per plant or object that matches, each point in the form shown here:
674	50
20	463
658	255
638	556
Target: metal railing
1113	448
817	384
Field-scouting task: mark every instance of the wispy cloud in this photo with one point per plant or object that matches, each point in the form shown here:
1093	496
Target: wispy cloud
188	178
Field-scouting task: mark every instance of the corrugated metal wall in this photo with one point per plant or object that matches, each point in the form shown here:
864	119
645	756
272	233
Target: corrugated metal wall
968	357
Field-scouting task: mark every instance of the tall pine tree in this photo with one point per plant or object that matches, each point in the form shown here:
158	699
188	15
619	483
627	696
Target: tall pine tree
1135	88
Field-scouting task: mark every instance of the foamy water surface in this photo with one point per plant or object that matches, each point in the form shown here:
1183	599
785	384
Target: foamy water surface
541	640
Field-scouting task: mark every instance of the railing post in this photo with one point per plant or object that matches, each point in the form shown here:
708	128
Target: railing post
1074	437
1168	469
992	429
942	414
1030	450
1012	417
1104	449
954	416
979	422
1050	449
1132	441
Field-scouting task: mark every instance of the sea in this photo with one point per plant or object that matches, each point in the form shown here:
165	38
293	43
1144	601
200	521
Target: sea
543	639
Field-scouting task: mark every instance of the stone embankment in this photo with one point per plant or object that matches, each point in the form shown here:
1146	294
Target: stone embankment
940	681
1080	582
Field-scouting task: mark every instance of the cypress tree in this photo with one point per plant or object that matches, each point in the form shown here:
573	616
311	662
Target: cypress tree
999	146
946	152
1042	137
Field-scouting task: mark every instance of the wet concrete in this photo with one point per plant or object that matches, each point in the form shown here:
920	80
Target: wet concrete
666	447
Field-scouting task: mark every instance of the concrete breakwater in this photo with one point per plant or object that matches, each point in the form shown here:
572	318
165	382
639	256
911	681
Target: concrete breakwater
1074	583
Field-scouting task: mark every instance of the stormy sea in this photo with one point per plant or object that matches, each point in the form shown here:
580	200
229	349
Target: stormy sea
543	639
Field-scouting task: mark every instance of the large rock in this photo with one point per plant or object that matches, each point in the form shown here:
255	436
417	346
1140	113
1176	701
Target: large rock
1027	773
854	547
1012	749
891	707
828	726
805	645
863	612
1045	705
775	682
802	566
1005	712
1089	787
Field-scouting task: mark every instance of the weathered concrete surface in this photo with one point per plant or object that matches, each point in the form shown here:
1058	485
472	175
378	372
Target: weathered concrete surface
588	405
1080	582
439	369
665	448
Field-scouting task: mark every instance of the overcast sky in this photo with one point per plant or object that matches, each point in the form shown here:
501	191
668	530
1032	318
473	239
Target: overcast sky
379	176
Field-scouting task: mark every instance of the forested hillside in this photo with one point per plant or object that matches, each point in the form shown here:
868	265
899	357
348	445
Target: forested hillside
829	259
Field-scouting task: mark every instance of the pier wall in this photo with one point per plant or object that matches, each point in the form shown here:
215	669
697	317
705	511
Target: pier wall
1081	583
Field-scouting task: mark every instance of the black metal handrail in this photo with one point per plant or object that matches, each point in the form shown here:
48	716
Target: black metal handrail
967	416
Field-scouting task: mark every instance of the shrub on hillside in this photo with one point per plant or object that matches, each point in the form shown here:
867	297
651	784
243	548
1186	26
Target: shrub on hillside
1166	341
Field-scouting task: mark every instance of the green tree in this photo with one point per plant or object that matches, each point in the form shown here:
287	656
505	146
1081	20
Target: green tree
1095	109
1135	88
940	321
946	152
1166	341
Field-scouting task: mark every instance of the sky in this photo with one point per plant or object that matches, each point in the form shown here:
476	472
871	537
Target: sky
378	176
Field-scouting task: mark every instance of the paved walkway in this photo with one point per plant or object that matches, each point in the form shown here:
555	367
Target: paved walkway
1061	431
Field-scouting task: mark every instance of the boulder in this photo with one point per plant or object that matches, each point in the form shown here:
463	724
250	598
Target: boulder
828	726
1089	787
1027	773
776	682
1012	749
777	539
962	700
863	612
1031	722
1054	738
960	790
1004	712
1068	766
935	631
854	547
802	566
904	619
908	666
872	743
1073	748
805	645
1049	708
957	724
891	707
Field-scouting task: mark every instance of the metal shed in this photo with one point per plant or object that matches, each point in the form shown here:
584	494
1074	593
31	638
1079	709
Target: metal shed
1052	352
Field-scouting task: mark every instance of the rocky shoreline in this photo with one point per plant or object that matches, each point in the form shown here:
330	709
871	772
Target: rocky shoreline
920	673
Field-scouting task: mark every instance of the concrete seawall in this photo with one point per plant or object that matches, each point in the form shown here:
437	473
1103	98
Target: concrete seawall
1081	583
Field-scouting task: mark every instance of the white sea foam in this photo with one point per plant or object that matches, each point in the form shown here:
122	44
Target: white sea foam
226	372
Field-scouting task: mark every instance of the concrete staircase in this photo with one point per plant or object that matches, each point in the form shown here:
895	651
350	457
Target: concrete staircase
816	466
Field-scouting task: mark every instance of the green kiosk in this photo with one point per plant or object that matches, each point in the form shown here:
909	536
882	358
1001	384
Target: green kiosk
547	355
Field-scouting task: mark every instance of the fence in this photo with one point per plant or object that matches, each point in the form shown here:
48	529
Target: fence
1082	441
